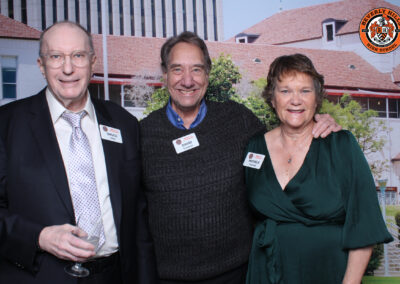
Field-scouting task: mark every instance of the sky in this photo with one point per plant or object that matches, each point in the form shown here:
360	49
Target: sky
242	14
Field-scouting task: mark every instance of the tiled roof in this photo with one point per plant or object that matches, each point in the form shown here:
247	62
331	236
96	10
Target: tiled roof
396	158
130	56
306	23
396	74
11	28
334	65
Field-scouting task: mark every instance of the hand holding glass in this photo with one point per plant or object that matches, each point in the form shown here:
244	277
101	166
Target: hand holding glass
93	236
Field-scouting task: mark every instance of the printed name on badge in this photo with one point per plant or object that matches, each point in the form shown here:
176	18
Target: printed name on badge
253	160
110	134
185	143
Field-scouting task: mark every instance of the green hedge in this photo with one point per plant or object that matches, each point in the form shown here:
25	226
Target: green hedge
375	260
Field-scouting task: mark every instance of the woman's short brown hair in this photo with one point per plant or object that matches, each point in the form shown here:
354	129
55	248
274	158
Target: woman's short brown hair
290	65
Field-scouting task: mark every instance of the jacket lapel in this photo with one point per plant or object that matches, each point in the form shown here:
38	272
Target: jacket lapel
112	153
44	134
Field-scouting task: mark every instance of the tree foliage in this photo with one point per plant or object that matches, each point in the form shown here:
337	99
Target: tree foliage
375	260
253	100
157	100
138	94
397	219
223	75
350	115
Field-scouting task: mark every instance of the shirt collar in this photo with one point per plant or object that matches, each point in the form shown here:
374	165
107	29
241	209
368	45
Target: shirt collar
57	109
177	121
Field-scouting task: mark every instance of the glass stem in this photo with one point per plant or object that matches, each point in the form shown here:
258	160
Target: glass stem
77	266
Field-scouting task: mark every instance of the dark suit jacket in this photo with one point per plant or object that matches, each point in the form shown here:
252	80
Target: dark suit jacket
34	193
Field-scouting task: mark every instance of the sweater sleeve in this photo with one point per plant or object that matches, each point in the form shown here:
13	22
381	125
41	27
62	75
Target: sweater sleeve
364	225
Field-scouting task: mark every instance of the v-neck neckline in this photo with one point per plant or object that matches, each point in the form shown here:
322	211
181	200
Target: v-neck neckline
299	173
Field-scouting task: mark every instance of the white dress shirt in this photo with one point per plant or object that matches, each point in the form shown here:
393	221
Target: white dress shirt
91	128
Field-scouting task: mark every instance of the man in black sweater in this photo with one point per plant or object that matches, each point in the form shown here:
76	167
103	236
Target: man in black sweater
192	165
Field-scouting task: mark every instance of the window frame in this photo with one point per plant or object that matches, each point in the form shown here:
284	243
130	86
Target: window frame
14	69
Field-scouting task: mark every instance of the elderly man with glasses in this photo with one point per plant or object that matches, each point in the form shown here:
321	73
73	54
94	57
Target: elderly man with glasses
69	170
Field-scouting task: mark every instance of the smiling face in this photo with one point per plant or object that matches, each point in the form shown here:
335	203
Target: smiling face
67	83
186	78
294	100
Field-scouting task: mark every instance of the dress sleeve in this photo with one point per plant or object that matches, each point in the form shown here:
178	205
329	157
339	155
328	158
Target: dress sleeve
364	224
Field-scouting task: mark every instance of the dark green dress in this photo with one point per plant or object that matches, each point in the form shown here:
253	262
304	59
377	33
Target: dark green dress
303	233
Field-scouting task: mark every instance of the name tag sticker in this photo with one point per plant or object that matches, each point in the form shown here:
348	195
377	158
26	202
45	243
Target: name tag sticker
110	134
253	160
185	143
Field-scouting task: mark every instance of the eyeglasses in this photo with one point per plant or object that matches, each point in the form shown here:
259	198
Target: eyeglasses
57	59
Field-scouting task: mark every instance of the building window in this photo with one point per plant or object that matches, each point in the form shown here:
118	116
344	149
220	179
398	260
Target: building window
174	16
43	10
54	11
329	32
333	99
88	16
143	15
77	11
164	19
115	93
153	18
96	90
215	20
24	17
132	18
194	17
65	9
394	108
137	95
9	76
362	101
184	15
378	105
99	23
11	9
121	18
110	18
205	20
242	39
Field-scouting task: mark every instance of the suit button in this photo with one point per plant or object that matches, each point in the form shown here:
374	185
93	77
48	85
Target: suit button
19	265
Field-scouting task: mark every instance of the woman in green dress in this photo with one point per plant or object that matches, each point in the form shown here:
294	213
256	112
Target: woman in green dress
315	201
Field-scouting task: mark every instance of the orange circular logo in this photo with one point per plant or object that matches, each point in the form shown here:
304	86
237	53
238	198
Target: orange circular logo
379	30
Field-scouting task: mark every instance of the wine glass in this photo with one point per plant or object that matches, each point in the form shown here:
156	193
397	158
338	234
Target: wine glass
93	237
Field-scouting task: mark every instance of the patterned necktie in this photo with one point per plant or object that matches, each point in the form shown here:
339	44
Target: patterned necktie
82	179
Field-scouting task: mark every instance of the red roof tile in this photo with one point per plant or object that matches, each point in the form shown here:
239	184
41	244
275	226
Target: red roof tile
129	56
397	158
396	74
11	28
306	23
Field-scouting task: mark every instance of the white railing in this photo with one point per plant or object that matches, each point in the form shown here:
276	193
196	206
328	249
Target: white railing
393	252
391	198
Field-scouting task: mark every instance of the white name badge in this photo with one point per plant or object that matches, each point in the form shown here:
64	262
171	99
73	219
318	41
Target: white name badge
110	134
185	143
253	160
